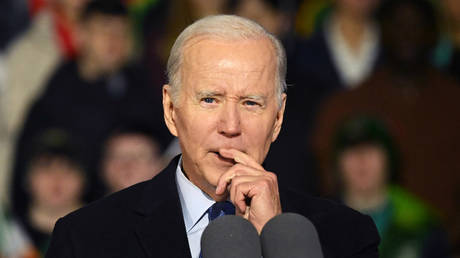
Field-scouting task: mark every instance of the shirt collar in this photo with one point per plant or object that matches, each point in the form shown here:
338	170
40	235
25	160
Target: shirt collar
193	200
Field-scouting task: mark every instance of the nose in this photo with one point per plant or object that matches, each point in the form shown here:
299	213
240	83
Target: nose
229	121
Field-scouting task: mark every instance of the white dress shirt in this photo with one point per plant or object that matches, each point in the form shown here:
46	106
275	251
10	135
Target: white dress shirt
195	204
353	66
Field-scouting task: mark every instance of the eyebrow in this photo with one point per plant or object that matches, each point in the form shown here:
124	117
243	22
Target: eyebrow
255	98
208	93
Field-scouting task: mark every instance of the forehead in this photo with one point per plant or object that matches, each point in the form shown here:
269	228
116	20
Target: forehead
243	64
129	140
107	22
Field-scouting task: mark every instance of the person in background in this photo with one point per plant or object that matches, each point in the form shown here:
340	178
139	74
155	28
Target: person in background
366	162
338	56
90	96
27	62
37	52
131	155
345	49
55	183
418	103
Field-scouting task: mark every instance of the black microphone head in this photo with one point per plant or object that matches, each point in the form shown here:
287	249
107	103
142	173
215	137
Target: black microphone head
230	236
290	235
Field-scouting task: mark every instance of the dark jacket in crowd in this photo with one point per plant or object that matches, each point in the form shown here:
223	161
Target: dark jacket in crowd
88	111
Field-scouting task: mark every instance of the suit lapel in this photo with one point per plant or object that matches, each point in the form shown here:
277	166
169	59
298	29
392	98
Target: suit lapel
161	231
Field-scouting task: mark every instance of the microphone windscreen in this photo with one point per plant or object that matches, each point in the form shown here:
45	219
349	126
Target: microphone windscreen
290	235
230	236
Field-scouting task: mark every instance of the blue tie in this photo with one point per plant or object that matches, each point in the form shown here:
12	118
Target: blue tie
219	209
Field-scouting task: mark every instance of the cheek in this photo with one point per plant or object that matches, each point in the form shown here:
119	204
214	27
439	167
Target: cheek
377	165
258	136
99	47
75	186
112	171
193	128
40	185
366	171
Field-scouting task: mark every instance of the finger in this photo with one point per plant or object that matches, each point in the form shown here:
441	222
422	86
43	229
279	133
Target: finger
239	197
224	181
240	157
244	191
236	170
251	186
247	187
234	187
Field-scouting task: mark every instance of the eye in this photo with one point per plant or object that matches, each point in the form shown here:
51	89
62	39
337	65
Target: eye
208	100
251	103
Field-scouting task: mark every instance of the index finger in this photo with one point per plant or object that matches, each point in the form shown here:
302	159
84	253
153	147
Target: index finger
240	157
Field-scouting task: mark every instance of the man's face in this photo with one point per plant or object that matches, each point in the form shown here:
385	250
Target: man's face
227	100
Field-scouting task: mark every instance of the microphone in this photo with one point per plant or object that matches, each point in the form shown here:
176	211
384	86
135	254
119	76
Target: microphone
230	236
290	235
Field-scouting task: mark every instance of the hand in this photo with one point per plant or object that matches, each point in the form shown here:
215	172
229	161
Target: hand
252	189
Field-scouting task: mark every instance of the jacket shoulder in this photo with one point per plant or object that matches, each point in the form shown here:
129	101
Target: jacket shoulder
110	209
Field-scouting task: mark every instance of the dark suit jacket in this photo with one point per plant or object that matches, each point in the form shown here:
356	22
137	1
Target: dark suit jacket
146	220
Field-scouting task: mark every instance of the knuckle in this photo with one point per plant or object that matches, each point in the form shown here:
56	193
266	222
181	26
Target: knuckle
238	166
265	183
272	176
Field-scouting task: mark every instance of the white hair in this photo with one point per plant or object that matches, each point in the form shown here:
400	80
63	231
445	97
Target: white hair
226	27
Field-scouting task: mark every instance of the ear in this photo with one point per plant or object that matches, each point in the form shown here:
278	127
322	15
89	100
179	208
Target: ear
169	110
279	118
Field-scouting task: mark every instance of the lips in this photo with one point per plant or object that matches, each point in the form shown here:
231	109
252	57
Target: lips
223	159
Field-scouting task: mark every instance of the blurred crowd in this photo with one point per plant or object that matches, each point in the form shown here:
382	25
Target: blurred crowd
372	116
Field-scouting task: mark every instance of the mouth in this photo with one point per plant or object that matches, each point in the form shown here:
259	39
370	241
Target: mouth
221	158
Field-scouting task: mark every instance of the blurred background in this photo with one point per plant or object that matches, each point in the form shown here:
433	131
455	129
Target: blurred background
372	119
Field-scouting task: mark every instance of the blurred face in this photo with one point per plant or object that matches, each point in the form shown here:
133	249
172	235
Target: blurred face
72	8
363	168
263	14
106	42
362	8
227	100
406	36
55	183
130	159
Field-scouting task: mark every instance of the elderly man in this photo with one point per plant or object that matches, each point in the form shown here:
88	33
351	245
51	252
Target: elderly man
225	102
